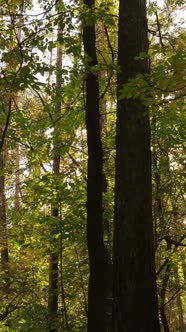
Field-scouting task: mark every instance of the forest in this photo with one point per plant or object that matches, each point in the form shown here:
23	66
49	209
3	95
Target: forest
92	166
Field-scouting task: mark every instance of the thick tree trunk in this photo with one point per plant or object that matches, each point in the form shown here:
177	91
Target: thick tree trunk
96	250
135	298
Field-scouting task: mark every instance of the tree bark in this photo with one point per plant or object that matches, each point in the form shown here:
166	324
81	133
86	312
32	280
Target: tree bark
54	256
63	299
165	281
135	296
53	282
3	227
179	304
17	177
96	250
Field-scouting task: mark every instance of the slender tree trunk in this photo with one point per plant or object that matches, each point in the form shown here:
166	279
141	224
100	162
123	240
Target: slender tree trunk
183	267
96	250
179	304
17	178
17	150
54	256
106	223
81	280
102	75
157	208
63	300
3	227
165	281
135	295
53	276
100	31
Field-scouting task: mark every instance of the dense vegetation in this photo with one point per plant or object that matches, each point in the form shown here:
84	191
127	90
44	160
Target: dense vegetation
63	85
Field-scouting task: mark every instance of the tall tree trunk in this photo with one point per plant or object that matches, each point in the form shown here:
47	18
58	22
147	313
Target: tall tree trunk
158	204
100	31
96	250
17	177
165	281
17	149
102	75
179	304
62	290
53	269
135	296
3	226
54	255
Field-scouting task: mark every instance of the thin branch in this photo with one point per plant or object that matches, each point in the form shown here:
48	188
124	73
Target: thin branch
173	296
68	108
166	261
170	241
105	113
101	54
106	88
159	30
77	164
151	84
166	101
30	15
109	43
152	32
177	244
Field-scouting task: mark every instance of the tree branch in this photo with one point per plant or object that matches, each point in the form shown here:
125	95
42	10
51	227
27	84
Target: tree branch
159	30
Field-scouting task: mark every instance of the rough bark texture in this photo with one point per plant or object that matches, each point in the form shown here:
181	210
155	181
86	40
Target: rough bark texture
135	299
96	250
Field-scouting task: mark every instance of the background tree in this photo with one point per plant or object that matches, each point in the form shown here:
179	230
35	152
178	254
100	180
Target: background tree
54	256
